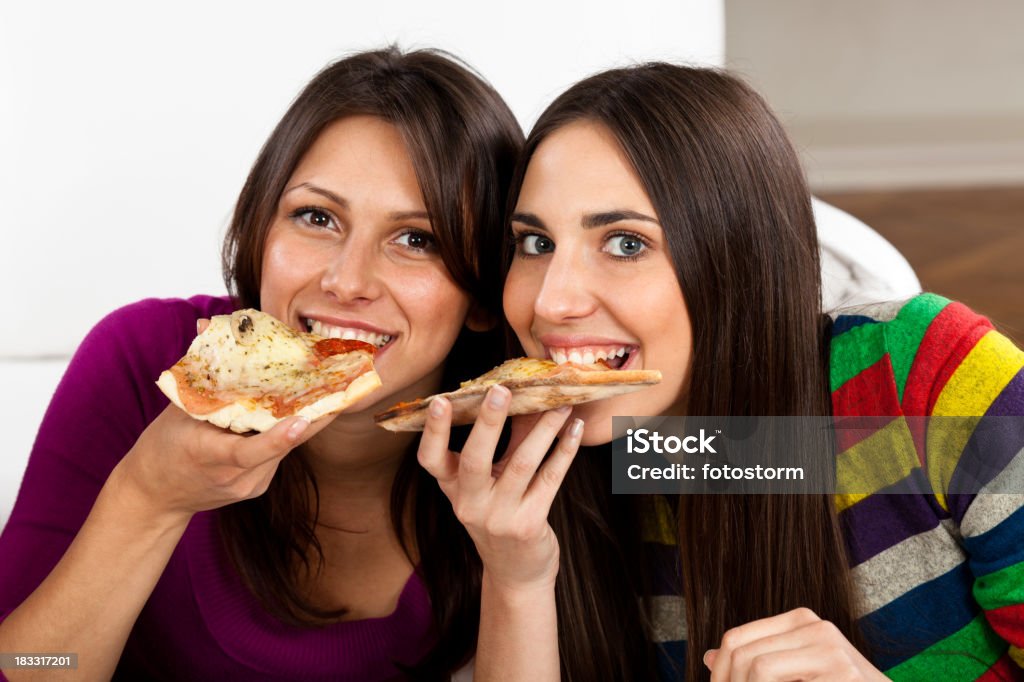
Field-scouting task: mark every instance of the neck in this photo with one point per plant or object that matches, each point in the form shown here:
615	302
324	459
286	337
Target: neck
355	463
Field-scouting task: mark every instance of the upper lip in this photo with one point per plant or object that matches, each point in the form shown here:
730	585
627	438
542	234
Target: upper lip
351	324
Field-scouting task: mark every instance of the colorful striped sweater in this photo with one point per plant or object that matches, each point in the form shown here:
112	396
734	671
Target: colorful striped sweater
939	574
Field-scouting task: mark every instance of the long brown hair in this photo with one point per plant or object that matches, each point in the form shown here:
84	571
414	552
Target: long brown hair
463	141
730	194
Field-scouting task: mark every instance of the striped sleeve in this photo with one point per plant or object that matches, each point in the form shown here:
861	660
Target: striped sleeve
974	449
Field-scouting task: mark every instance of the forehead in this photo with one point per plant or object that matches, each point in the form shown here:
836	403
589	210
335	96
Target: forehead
581	166
363	149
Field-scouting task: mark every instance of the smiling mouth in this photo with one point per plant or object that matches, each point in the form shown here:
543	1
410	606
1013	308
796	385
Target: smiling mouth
332	332
616	357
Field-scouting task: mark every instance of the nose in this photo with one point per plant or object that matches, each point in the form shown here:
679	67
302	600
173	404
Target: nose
353	273
566	292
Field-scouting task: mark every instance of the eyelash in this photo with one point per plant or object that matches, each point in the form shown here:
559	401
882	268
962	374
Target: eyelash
299	212
431	242
519	238
631	235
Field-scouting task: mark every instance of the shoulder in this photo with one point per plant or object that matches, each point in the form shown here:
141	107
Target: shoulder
130	346
163	314
940	356
156	326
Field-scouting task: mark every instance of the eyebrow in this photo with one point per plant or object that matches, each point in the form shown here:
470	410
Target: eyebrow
590	220
341	201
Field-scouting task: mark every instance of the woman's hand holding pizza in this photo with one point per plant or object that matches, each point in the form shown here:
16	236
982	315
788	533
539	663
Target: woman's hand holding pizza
796	645
181	466
504	507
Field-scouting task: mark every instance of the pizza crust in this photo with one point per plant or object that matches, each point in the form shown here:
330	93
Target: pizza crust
529	395
245	415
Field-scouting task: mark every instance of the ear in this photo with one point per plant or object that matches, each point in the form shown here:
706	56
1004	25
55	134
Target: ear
479	319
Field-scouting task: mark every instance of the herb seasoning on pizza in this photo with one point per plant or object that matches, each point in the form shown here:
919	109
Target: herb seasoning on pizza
536	385
247	371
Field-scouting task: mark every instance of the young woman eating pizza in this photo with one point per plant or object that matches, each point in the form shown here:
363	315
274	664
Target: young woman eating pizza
660	211
156	546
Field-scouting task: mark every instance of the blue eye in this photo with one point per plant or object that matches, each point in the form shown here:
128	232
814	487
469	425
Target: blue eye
625	246
535	245
417	240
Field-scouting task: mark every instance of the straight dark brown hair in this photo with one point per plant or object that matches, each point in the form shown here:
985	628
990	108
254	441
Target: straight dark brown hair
463	141
730	195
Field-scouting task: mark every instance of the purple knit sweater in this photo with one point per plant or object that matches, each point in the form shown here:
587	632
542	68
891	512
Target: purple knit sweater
200	622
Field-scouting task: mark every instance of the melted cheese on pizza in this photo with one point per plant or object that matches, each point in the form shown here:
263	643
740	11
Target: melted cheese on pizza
250	355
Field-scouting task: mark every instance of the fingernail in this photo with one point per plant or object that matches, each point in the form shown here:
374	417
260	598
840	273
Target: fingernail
437	407
577	428
708	655
198	330
564	409
497	396
296	429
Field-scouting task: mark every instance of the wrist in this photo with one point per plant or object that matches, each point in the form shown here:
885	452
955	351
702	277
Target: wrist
132	501
516	592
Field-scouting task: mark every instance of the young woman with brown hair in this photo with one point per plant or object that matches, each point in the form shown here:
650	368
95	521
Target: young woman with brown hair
660	215
159	547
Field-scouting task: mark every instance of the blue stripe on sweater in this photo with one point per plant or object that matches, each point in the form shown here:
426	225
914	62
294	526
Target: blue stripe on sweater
923	616
999	547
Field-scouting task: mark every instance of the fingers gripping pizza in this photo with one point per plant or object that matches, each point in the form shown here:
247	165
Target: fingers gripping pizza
247	371
536	385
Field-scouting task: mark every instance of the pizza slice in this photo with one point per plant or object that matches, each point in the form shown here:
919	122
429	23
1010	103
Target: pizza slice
247	371
537	385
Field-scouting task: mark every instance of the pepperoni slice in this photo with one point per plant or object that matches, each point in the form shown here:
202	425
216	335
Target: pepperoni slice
325	348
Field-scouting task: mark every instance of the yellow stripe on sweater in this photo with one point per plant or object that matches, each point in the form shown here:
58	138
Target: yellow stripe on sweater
658	521
880	460
970	391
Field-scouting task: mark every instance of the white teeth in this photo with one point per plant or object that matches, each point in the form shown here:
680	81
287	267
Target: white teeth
347	333
586	356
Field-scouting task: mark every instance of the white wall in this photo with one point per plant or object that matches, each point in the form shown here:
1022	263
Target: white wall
882	94
126	130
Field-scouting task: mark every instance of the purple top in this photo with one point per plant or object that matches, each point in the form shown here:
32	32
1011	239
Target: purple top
200	622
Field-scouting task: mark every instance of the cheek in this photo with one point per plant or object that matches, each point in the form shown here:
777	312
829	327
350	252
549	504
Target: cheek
432	300
517	302
275	273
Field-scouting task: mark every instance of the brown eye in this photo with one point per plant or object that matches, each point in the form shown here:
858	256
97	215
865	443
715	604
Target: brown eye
416	240
314	217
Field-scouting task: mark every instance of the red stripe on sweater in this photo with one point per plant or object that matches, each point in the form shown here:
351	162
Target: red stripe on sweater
1003	669
1008	622
948	340
872	392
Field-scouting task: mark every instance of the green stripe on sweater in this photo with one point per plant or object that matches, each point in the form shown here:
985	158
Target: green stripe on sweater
965	655
1004	587
854	351
904	334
